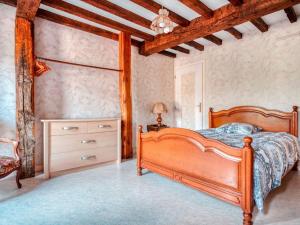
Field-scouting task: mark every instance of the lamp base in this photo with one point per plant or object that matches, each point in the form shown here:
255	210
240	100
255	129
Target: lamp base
159	120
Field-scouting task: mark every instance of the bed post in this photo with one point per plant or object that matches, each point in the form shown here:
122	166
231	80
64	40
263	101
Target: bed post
138	151
211	110
247	183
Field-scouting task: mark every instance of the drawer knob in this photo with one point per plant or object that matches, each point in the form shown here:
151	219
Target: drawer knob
104	126
70	128
88	157
88	141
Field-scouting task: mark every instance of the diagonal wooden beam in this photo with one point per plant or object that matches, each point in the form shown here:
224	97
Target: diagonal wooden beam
27	8
260	24
195	45
224	18
9	2
126	14
85	14
291	14
139	44
234	32
198	7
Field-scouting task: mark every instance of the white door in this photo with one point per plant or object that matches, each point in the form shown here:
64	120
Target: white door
189	96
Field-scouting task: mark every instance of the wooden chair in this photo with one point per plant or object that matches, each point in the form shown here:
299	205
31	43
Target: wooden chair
11	164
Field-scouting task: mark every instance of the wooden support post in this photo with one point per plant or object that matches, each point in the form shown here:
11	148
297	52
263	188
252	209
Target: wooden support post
24	59
125	93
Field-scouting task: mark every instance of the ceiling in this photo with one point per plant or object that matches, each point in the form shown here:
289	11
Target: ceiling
173	5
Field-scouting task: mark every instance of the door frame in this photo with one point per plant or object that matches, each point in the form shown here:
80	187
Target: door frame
203	101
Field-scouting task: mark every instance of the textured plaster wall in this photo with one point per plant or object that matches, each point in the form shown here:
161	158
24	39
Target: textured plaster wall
260	70
7	72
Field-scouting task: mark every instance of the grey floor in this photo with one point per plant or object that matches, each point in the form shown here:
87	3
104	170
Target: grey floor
114	195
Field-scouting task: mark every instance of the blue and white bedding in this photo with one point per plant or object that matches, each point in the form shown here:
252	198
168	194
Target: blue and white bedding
275	154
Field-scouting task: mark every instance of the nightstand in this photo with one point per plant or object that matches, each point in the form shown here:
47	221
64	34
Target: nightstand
155	127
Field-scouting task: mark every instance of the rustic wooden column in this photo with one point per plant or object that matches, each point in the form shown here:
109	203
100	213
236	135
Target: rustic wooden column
125	93
24	92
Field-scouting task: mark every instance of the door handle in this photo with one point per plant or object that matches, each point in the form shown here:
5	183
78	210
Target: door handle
200	107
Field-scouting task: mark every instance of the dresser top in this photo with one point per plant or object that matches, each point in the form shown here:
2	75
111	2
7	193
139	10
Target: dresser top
79	120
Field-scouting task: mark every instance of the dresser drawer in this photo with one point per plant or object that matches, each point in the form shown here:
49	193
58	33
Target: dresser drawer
65	128
67	160
68	143
102	126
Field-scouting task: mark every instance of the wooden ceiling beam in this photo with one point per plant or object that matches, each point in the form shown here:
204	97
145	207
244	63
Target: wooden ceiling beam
119	11
260	24
126	14
224	18
138	44
27	8
181	49
234	32
213	39
198	7
206	12
236	2
76	24
195	45
9	2
291	14
85	14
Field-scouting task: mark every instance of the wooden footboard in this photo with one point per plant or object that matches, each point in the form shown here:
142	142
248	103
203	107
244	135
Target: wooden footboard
204	164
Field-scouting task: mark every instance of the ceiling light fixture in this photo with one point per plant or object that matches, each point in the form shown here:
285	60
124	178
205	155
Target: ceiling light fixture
162	24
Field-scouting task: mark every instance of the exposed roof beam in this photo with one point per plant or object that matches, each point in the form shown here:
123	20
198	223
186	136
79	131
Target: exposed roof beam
76	24
206	12
75	10
235	33
138	44
224	18
126	14
291	14
213	39
9	2
181	49
236	2
119	11
198	7
154	7
260	24
27	8
196	45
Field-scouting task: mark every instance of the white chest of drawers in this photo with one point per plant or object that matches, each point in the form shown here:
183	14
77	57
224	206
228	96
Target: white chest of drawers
74	143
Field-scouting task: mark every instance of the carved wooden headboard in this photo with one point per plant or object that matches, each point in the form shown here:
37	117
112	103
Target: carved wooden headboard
269	120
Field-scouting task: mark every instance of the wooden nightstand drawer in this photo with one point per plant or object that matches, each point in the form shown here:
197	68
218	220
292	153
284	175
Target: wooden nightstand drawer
155	127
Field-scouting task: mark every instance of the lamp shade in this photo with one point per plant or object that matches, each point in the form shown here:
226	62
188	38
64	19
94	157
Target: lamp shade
159	108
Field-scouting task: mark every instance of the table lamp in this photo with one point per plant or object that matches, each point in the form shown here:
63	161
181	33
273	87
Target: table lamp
158	109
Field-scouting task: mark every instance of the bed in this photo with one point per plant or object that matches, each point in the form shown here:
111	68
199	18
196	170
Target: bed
211	166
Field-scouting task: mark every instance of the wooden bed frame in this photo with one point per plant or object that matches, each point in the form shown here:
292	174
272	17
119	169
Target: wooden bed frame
209	165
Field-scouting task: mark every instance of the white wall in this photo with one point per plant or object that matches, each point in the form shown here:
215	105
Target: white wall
76	92
7	72
262	69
